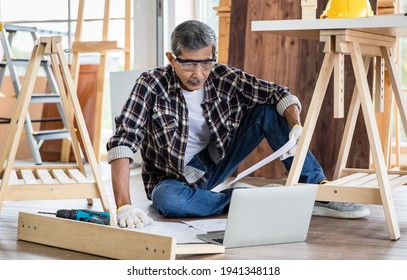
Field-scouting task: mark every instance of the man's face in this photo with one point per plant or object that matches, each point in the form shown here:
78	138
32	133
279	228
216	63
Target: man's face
192	67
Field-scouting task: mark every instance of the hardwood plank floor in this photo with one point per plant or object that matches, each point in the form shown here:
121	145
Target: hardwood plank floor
328	239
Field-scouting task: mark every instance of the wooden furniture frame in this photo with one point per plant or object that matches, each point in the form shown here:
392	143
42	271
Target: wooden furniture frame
362	39
51	181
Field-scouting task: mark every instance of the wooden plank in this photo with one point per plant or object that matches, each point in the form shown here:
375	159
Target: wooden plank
339	85
13	177
349	35
397	182
375	184
78	176
61	176
396	86
309	3
45	177
95	47
52	191
362	181
311	119
127	34
55	59
374	140
308	13
107	241
28	177
349	194
13	180
350	178
379	85
48	167
366	50
356	170
386	3
349	130
87	145
239	33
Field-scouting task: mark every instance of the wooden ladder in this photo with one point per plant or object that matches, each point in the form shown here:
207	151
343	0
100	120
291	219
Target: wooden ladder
50	182
101	47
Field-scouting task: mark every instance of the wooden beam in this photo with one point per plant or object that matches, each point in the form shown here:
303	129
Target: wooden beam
106	241
309	9
95	46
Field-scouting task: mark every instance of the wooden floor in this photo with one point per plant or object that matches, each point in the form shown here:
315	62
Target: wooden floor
328	238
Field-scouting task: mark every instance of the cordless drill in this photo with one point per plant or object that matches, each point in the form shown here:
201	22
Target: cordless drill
84	215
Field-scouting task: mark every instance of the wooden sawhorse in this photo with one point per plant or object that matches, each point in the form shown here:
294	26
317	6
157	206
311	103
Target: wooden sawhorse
355	185
53	181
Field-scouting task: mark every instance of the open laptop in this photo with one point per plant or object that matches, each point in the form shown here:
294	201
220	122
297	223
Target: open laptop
266	215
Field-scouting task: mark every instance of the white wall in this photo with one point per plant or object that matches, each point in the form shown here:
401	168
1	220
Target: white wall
144	34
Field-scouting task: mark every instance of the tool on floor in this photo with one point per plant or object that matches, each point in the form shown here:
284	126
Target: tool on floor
83	215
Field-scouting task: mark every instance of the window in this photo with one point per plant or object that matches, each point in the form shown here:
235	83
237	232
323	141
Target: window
52	17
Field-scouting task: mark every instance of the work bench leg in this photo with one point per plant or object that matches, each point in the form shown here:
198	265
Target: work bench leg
374	140
311	119
349	129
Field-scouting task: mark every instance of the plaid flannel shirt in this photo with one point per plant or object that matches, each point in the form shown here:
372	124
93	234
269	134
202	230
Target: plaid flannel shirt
155	119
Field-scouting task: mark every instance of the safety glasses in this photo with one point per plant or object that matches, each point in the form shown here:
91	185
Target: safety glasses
189	65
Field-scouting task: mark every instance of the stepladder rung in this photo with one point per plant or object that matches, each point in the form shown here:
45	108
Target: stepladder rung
15	28
53	134
45	98
23	62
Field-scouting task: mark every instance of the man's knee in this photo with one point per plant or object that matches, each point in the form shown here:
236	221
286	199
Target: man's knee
167	198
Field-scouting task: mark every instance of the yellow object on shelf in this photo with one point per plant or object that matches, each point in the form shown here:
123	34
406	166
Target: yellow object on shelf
347	9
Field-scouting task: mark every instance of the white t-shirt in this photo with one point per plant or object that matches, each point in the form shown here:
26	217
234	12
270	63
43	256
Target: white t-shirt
199	134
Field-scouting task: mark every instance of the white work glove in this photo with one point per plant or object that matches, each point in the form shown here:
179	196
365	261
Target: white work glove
131	217
295	132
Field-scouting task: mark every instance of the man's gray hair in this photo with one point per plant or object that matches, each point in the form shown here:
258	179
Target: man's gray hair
192	35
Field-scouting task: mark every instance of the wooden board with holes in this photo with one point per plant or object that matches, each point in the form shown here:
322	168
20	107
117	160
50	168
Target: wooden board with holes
106	241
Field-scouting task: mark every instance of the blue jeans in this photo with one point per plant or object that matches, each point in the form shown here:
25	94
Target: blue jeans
173	198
